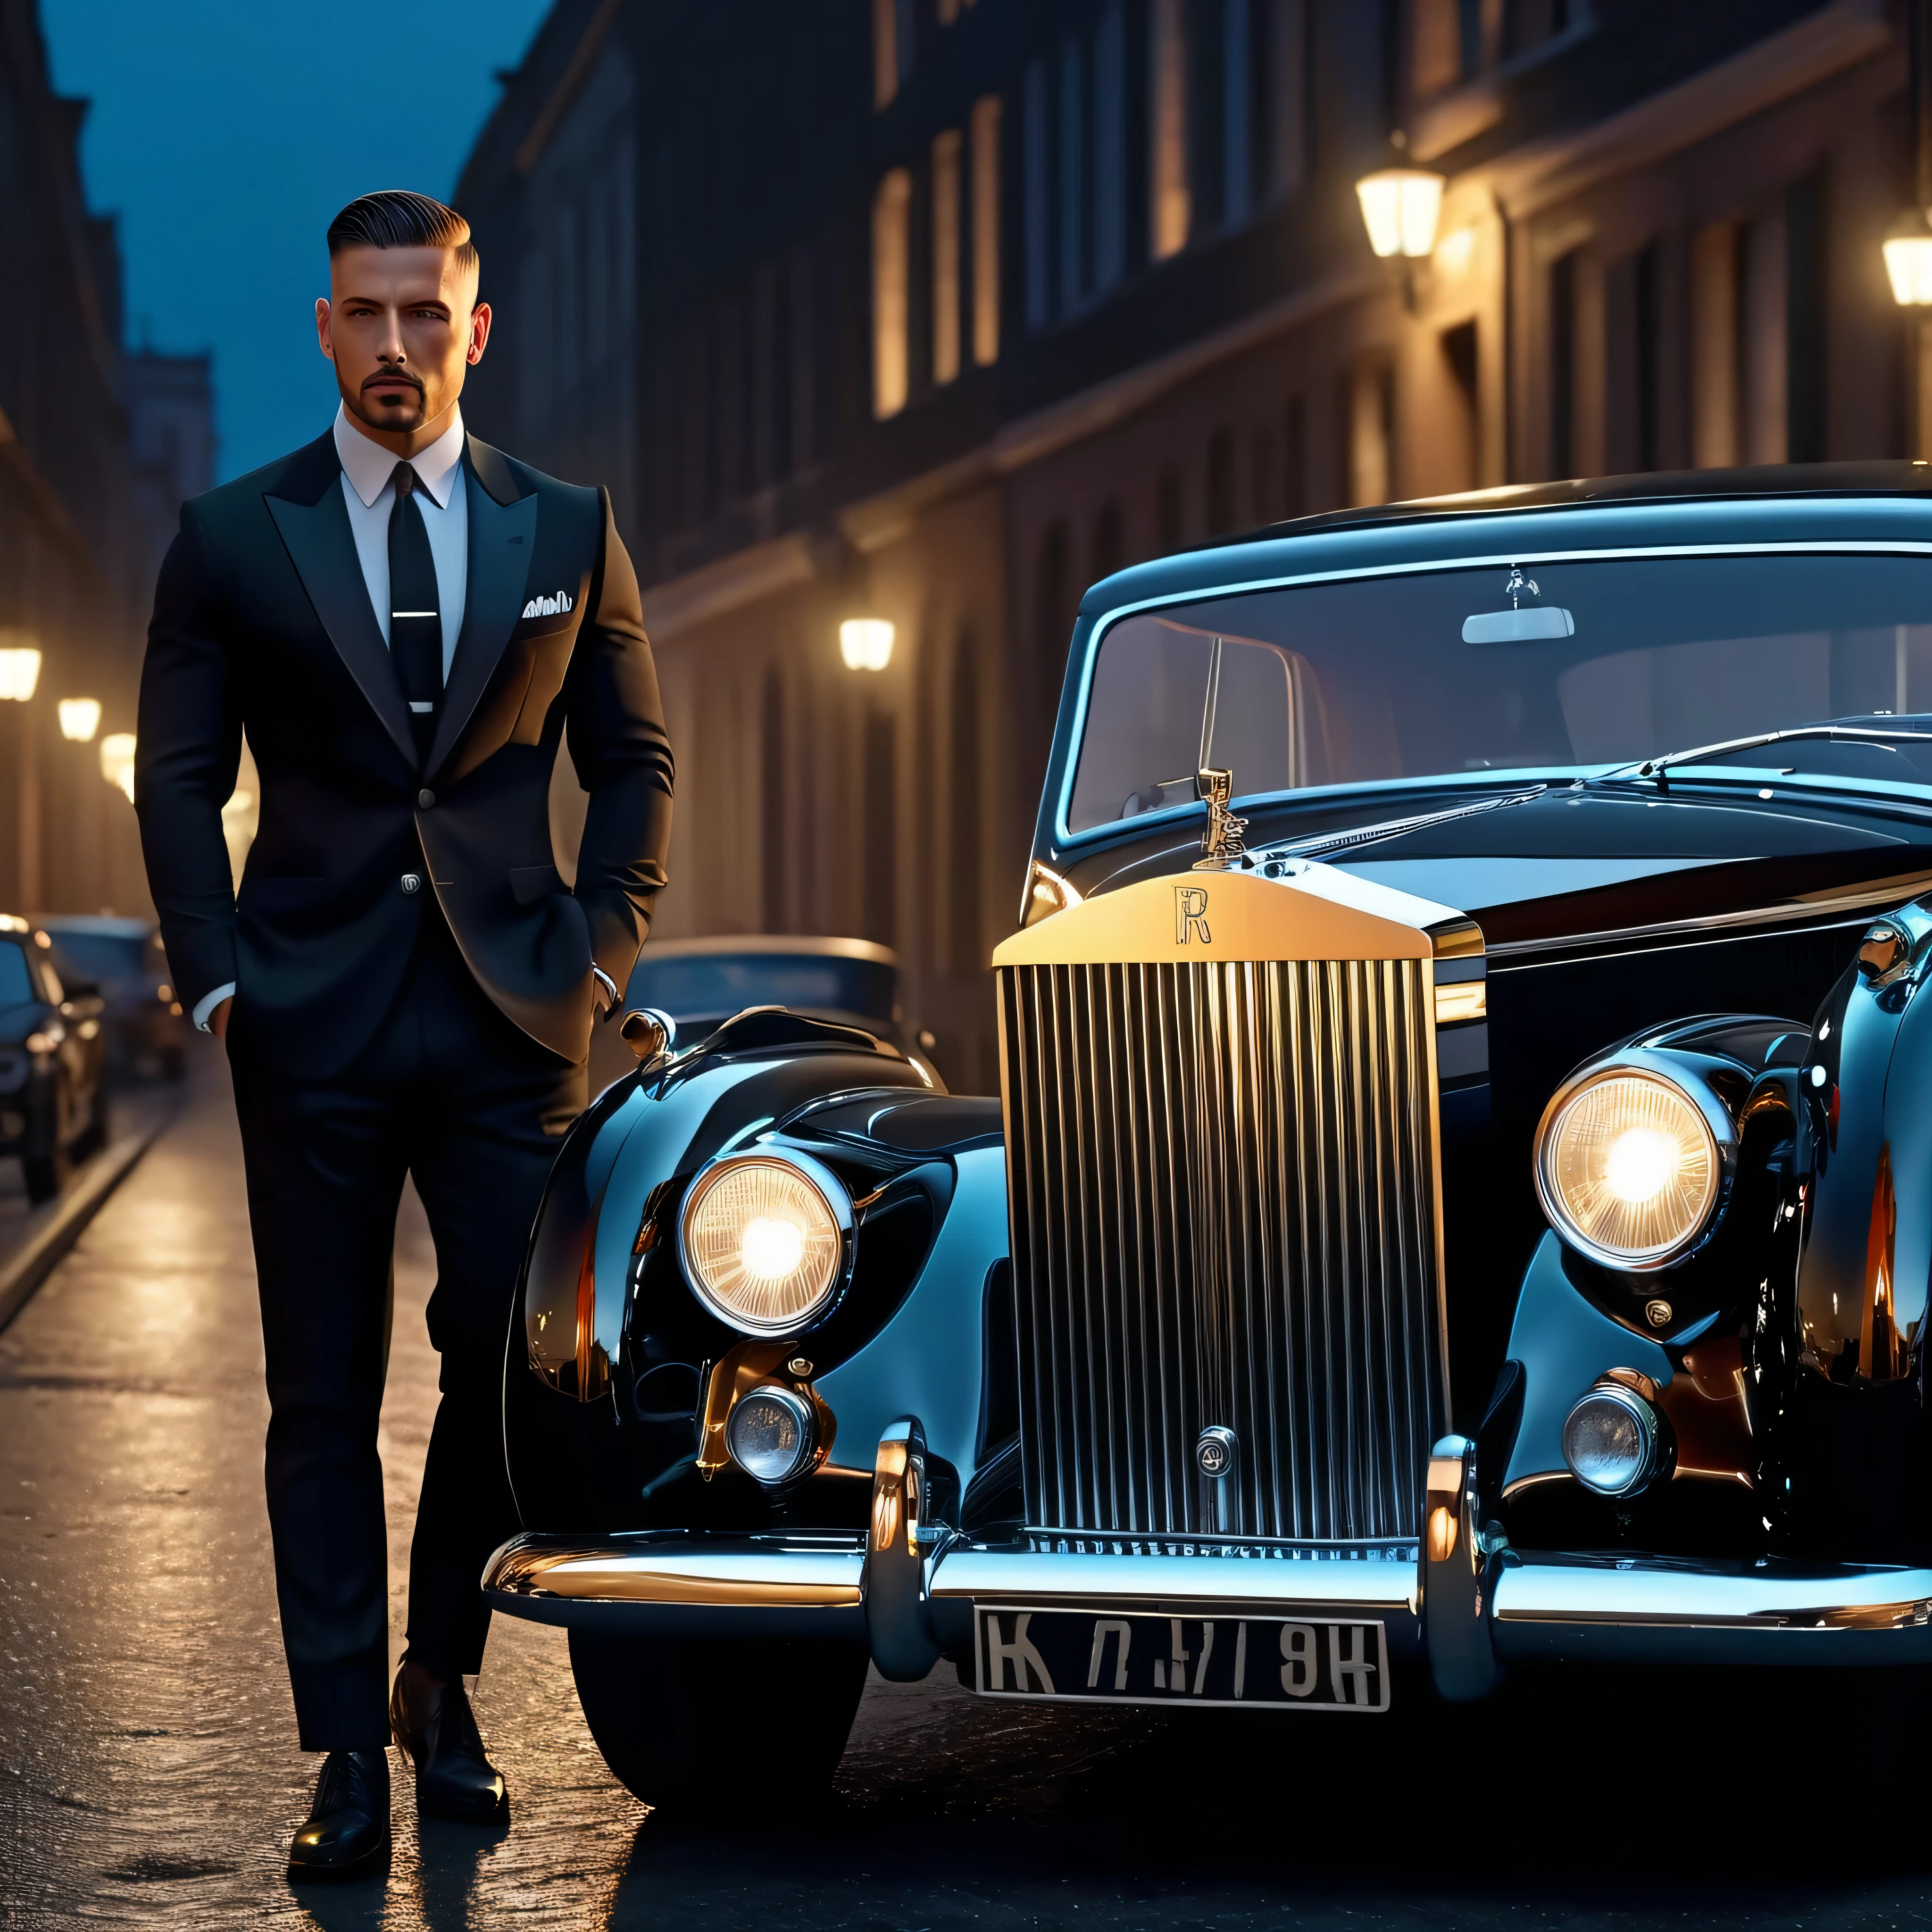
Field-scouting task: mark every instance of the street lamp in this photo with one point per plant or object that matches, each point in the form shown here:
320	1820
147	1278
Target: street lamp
117	761
865	644
79	719
1400	207
20	665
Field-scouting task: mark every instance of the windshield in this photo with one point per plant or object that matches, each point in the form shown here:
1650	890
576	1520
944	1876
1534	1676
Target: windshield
1457	672
16	987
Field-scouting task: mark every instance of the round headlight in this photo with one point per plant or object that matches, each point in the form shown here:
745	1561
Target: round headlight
1628	1169
771	1434
765	1241
1610	1441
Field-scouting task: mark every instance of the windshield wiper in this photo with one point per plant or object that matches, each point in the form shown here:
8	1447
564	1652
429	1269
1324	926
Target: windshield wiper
1365	835
1659	768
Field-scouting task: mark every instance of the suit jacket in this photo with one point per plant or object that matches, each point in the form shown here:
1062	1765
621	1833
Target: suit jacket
262	623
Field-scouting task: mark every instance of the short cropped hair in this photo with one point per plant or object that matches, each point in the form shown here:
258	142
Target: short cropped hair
397	217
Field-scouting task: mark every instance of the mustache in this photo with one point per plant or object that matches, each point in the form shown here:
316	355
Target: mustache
394	375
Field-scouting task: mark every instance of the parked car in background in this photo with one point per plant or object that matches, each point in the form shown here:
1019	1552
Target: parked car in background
701	983
147	1031
1460	1198
53	1088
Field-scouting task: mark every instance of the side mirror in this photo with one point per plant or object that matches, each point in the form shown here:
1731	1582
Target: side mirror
648	1032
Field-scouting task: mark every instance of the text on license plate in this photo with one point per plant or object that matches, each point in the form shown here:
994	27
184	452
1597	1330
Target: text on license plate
1278	1661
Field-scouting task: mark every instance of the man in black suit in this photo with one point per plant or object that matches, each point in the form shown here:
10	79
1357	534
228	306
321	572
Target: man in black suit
404	621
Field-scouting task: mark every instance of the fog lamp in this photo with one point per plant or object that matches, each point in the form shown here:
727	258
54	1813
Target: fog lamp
771	1433
1627	1168
1611	1440
765	1241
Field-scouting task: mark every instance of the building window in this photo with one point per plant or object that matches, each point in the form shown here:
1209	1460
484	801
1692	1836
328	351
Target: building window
1295	457
1458	358
1221	482
1713	346
1167	189
1236	119
880	833
892	49
986	230
892	220
1563	365
1039	238
1110	148
1110	546
772	803
1072	132
946	149
1370	445
1285	140
1169	516
968	959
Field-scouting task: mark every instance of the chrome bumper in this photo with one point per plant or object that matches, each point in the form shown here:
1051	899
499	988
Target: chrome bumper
908	1589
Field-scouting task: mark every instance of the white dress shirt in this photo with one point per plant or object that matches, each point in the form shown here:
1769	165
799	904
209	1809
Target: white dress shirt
369	489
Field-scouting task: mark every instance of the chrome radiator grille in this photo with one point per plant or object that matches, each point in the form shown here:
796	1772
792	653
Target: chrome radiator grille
1223	1188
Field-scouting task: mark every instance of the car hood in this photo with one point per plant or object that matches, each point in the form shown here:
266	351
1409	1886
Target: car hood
1565	861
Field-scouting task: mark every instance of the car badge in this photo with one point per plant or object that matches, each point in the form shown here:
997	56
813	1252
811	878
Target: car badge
1221	842
1215	1450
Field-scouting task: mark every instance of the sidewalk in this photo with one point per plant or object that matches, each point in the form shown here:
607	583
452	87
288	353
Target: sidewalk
32	1240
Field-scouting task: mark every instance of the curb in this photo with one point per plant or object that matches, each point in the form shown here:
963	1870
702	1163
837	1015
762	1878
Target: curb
23	1272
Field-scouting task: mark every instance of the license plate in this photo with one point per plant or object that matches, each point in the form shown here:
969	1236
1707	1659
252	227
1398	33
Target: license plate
1286	1663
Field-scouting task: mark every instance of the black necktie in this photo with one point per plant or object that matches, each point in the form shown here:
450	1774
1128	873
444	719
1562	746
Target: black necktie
415	621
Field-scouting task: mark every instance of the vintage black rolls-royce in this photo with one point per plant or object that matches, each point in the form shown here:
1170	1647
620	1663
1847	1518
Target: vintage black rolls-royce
1460	1194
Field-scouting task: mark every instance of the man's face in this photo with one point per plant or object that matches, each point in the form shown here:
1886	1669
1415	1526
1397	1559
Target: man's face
401	325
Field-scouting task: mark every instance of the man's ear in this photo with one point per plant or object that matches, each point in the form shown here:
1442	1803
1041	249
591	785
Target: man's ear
479	331
324	341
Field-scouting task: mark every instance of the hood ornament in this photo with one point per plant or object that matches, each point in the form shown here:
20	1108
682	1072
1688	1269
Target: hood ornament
1221	843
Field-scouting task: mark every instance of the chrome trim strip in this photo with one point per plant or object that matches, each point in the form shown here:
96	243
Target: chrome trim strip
763	1573
1887	893
1063	838
965	1574
1636	1594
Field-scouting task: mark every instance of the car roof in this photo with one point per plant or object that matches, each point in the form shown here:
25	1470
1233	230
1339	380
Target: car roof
1798	503
105	925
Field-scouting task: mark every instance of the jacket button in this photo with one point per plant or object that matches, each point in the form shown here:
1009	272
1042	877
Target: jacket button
412	882
425	798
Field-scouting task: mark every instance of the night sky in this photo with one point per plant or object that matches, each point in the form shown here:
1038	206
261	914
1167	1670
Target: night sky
225	133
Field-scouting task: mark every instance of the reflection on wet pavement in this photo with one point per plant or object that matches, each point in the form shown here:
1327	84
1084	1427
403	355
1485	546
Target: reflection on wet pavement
148	1771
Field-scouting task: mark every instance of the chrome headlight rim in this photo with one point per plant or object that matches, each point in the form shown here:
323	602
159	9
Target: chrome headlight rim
838	1202
1609	1391
805	1416
1638	1064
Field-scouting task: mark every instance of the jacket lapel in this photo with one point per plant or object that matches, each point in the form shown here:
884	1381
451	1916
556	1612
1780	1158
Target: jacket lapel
502	536
322	548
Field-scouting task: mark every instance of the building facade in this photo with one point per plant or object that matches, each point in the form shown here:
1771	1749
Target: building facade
934	312
81	513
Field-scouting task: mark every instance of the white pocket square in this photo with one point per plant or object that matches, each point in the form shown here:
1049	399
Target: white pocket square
548	607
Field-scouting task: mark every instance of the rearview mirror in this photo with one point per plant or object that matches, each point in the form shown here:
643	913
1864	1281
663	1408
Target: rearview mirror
1518	627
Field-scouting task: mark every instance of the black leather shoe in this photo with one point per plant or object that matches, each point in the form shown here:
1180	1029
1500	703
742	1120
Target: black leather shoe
347	1834
454	1778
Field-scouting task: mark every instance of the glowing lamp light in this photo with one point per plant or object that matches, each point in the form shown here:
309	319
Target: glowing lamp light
1399	209
117	761
20	671
771	1249
865	644
79	719
1908	260
1639	1164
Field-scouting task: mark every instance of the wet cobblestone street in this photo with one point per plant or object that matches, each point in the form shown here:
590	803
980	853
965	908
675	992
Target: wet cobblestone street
148	1772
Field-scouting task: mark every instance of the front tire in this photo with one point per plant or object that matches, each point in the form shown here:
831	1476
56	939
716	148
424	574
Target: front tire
673	1717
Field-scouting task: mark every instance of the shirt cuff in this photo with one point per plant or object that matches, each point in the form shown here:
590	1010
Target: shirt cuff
207	1004
607	993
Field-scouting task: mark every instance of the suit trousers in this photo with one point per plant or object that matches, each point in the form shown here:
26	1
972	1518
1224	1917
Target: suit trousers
458	1098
